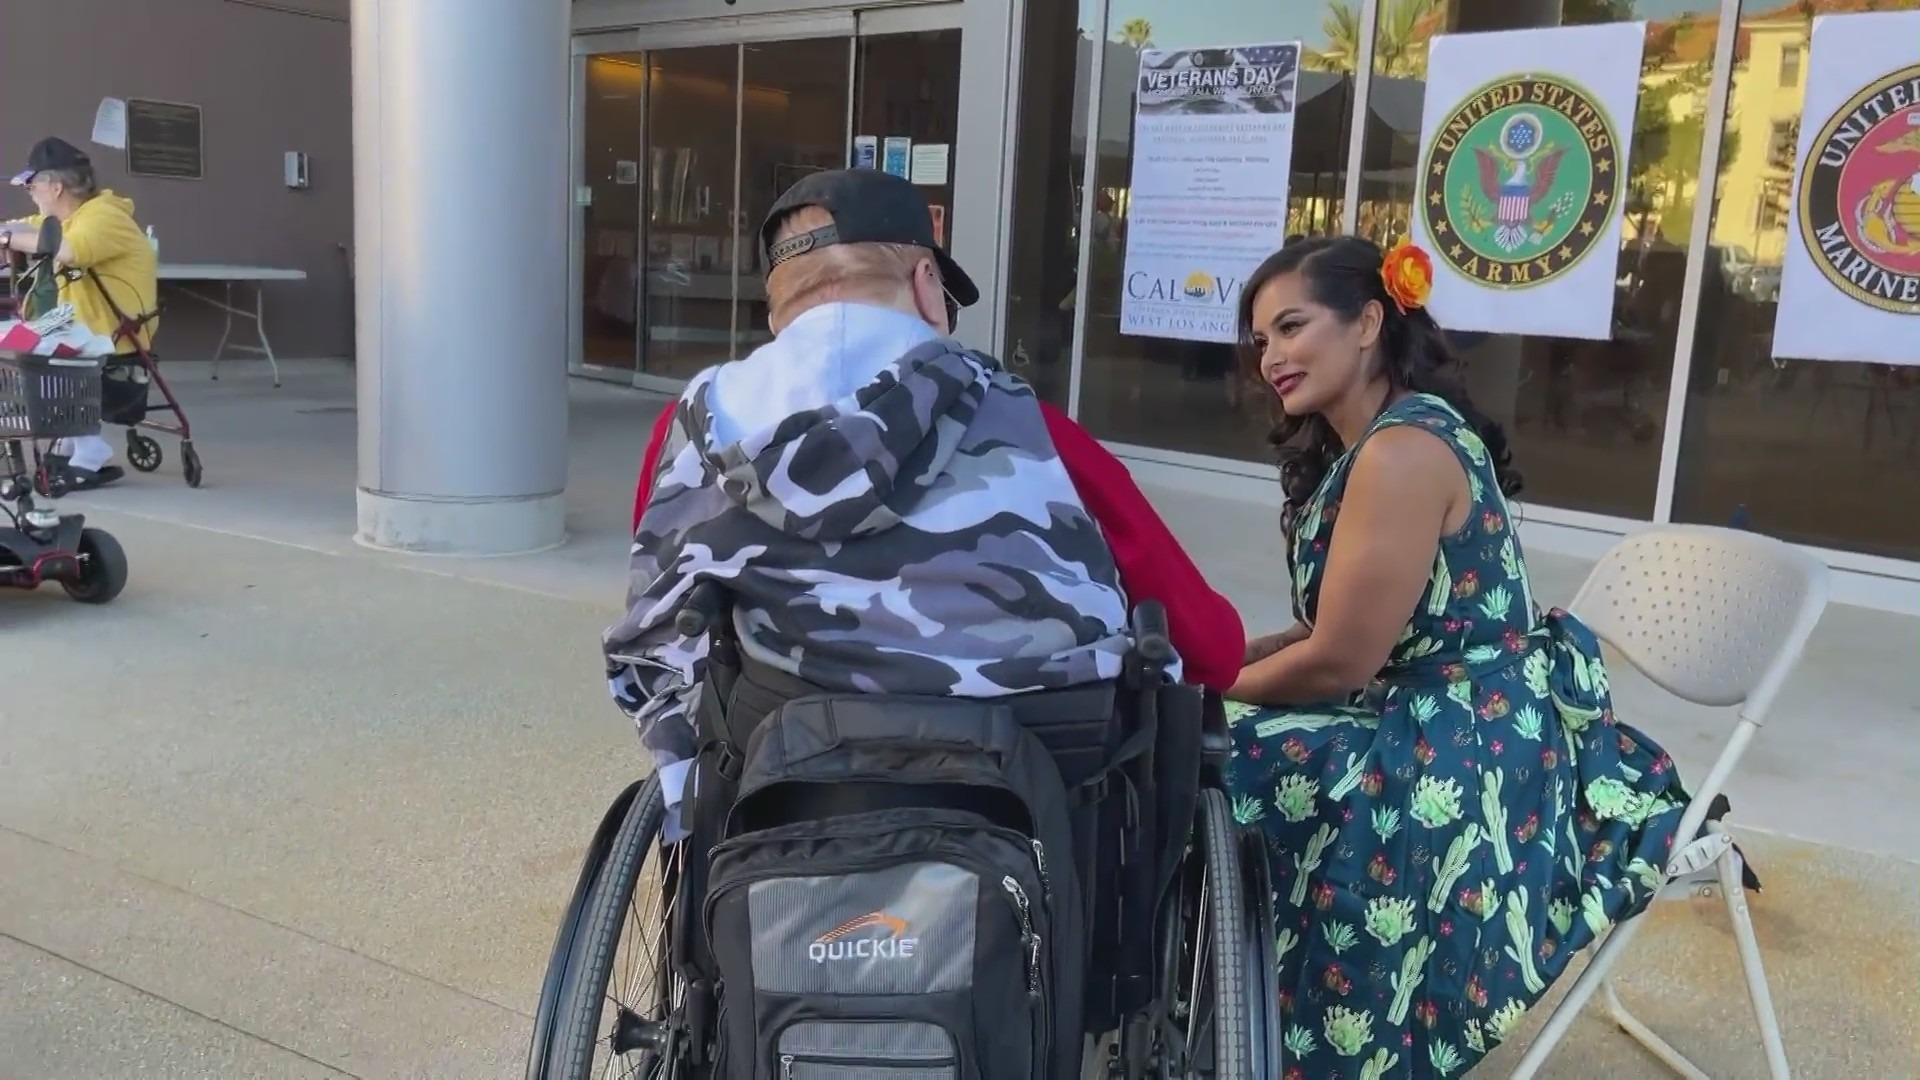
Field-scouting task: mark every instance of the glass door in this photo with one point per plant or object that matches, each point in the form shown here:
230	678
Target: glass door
793	122
611	104
691	168
907	101
683	148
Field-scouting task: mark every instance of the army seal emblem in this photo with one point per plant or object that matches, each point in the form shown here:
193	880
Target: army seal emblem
1521	182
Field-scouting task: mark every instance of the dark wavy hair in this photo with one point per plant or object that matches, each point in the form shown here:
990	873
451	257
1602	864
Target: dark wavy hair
1342	273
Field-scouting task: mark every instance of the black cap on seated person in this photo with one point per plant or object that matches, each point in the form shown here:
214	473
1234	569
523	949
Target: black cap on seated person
49	154
868	207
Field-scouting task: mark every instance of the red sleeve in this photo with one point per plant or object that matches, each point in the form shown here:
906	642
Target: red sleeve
650	463
1206	629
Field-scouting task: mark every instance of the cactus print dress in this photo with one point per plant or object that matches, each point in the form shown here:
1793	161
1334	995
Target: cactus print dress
1444	842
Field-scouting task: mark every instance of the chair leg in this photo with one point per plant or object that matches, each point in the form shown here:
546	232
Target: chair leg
1646	1037
1732	889
1577	997
1750	965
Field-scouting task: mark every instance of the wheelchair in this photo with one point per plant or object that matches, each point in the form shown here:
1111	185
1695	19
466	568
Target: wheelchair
1176	962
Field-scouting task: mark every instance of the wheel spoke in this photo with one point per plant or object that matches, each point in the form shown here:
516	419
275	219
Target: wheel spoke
641	991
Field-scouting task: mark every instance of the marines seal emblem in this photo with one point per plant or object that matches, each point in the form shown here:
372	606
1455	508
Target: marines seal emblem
1521	181
1859	201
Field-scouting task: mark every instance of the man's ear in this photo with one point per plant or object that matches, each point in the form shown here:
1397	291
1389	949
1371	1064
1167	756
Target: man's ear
929	295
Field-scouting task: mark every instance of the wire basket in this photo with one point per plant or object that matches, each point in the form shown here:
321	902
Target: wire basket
42	397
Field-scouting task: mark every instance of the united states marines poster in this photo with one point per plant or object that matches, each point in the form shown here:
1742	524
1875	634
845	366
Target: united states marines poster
1850	283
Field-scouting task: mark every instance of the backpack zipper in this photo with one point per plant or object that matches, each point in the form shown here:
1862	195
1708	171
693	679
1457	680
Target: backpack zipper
1030	937
1040	862
788	1061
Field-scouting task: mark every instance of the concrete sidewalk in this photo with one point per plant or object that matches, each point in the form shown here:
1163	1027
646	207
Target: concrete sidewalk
292	808
1831	767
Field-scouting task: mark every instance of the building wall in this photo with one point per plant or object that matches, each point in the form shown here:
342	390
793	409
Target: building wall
270	76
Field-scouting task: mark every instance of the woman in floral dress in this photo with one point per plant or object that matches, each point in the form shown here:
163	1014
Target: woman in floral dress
1451	810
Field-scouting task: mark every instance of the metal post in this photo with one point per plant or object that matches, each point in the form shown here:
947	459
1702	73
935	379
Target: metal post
1362	90
1089	190
1699	242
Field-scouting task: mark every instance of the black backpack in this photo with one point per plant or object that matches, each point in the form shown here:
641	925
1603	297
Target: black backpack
896	898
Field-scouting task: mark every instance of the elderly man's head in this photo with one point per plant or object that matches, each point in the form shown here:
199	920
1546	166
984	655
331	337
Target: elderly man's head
59	177
861	236
898	276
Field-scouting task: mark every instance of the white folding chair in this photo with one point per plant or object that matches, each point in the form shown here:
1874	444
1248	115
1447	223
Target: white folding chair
1717	617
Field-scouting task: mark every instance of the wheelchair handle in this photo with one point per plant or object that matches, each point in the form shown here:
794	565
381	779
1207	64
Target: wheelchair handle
1150	635
701	609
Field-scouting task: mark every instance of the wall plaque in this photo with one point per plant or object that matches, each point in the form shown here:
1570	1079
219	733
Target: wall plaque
164	139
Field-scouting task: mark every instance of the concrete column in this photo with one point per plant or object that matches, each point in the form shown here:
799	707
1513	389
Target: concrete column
460	172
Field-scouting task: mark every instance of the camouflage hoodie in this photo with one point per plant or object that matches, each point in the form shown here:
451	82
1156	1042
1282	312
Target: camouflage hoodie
914	532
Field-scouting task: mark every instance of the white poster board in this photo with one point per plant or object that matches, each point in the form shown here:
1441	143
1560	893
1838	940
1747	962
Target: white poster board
1850	282
1525	143
1212	153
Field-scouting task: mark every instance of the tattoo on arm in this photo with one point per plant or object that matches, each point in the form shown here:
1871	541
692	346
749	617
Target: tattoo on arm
1262	647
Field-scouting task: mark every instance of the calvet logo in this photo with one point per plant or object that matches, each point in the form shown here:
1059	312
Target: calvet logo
1859	201
1521	181
1197	287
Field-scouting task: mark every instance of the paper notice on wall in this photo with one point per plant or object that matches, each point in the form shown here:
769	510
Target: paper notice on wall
1212	152
894	154
866	152
1850	282
930	162
110	123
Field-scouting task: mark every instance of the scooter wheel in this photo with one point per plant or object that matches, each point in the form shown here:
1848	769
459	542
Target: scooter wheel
103	568
190	464
143	453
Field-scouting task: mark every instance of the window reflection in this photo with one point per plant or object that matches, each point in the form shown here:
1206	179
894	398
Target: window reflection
793	121
1183	395
614	99
1044	207
1813	451
1585	417
692	102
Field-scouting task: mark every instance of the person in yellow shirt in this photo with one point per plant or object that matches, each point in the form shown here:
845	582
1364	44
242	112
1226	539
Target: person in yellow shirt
117	268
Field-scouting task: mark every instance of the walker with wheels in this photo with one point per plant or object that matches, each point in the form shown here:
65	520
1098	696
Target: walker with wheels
128	380
125	401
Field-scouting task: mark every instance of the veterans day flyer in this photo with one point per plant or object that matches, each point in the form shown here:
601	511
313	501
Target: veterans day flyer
1212	153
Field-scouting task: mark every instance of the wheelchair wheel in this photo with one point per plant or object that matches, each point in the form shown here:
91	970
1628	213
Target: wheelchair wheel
1216	979
614	996
1263	969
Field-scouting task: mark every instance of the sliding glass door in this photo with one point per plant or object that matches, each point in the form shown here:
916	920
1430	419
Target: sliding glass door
685	143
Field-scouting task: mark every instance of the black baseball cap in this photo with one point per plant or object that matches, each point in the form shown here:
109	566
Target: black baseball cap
868	207
51	153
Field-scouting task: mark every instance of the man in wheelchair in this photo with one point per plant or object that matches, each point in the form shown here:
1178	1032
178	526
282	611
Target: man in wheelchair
910	751
895	513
